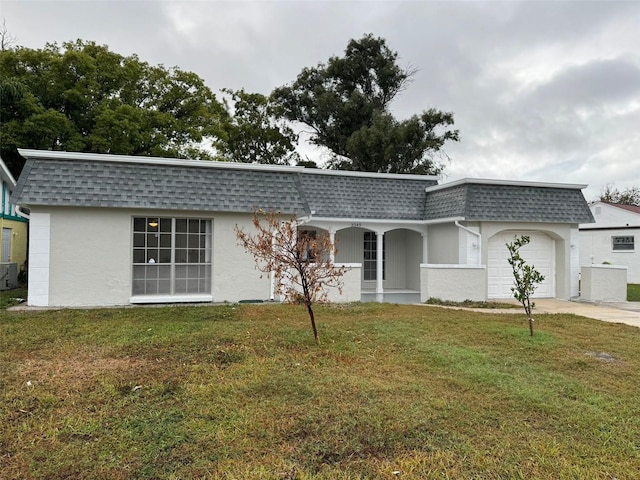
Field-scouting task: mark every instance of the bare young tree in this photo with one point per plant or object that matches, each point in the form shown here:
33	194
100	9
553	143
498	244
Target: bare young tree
300	261
6	38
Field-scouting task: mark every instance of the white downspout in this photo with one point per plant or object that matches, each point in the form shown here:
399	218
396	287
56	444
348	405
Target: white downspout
477	234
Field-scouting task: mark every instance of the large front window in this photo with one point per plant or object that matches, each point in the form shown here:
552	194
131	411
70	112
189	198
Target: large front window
171	256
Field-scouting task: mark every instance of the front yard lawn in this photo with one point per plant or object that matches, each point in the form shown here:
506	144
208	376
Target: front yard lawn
242	392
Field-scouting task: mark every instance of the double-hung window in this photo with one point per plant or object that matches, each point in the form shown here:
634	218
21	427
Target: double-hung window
171	256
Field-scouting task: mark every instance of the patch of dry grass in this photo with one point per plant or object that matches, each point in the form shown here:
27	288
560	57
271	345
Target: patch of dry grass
240	392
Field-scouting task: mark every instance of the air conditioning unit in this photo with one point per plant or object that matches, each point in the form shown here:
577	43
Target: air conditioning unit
8	276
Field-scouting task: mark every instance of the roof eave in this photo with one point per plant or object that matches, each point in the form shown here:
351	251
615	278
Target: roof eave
512	183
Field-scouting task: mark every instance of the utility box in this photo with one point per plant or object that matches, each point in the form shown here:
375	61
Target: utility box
603	283
8	276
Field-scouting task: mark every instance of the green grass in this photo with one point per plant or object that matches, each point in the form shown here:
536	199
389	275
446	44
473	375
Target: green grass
633	292
242	392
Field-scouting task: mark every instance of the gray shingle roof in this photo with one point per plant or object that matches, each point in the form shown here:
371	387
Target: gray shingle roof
365	197
89	180
513	203
107	184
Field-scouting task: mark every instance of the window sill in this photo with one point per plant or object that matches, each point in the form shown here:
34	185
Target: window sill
195	298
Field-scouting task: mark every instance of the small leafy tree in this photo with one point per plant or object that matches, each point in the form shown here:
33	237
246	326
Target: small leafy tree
299	260
526	276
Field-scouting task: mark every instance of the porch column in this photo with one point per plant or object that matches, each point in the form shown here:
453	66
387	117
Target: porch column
332	239
379	266
425	248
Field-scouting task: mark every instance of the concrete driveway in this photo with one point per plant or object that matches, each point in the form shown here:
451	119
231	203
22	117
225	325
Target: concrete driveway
623	312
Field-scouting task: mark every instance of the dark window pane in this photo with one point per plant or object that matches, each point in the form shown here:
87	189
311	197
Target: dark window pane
165	255
165	240
139	256
181	225
181	240
139	224
194	226
165	225
138	239
152	240
194	241
193	256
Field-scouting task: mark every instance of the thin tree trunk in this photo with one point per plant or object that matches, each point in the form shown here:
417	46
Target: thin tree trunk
313	323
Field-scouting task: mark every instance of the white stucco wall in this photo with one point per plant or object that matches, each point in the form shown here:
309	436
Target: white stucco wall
596	248
443	244
235	276
90	257
604	283
351	288
453	282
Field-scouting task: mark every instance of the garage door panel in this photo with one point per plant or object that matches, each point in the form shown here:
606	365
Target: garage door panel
539	253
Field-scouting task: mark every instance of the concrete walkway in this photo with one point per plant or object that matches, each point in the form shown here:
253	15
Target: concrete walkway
624	312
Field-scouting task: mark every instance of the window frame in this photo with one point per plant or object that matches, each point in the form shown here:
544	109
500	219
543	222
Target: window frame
627	242
171	259
370	248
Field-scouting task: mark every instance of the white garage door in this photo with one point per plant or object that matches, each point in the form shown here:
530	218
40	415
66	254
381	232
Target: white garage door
540	253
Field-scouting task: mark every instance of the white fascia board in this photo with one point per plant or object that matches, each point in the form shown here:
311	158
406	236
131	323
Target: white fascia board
516	183
350	173
104	157
5	174
339	220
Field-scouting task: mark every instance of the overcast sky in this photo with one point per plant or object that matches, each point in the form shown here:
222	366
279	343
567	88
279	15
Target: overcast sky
541	91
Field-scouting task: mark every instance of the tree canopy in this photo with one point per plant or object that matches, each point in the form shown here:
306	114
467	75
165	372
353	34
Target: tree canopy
346	101
82	97
251	132
628	196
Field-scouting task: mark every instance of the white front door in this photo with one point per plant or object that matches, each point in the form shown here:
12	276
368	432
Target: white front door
540	253
6	245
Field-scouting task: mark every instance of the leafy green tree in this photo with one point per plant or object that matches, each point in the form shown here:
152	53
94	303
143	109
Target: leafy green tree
83	97
526	277
251	132
346	101
628	196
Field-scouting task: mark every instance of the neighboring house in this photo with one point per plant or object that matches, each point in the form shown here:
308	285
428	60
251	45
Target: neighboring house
13	233
613	238
112	230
